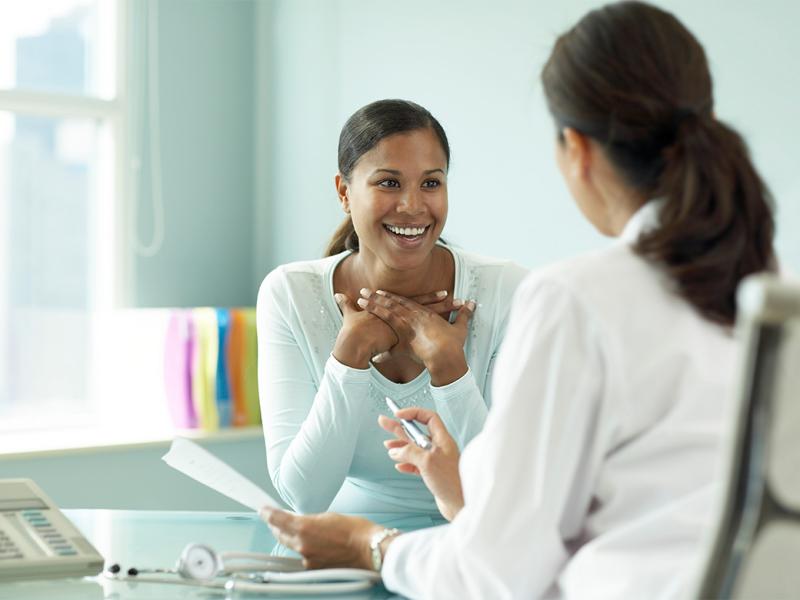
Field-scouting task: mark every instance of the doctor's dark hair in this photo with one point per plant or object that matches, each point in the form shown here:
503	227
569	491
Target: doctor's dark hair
634	79
361	133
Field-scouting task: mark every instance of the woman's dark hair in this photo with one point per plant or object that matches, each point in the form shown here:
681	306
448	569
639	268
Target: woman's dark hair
362	132
633	78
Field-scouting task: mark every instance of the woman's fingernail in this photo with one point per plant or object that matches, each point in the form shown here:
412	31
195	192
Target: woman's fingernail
338	298
362	302
393	452
381	292
458	303
365	292
471	305
441	294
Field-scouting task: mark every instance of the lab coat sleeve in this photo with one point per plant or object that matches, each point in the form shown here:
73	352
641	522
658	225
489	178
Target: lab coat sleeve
461	407
310	432
527	477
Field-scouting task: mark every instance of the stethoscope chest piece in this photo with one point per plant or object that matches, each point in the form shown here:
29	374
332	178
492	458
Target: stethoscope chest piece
198	562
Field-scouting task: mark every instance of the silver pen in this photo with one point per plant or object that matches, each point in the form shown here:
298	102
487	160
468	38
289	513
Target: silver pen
410	427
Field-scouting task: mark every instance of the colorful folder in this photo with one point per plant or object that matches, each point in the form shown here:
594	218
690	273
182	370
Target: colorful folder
211	368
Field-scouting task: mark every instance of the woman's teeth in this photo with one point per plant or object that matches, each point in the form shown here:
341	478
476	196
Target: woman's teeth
406	231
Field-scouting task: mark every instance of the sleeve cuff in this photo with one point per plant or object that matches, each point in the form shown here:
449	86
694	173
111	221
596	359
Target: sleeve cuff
406	555
344	374
454	389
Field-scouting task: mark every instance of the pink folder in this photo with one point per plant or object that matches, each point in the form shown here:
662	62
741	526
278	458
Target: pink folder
178	349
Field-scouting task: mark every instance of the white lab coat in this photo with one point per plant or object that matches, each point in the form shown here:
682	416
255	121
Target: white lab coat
593	477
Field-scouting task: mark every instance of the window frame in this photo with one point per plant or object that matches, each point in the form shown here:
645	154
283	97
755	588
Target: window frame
113	267
109	264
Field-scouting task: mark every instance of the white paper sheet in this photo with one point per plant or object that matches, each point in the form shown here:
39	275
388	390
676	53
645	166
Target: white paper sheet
199	464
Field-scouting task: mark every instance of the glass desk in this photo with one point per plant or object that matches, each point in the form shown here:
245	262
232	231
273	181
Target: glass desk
155	539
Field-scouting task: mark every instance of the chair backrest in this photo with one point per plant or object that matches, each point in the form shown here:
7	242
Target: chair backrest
756	551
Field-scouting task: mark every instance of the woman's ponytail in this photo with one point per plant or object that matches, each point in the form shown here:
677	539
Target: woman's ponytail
344	238
716	223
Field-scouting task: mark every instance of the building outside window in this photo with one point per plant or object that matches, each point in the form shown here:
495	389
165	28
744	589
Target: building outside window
61	129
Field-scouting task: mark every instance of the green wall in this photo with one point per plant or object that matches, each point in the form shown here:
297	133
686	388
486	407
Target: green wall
135	477
206	98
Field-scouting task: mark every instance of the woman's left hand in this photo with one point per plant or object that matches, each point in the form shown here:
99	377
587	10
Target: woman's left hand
325	540
433	341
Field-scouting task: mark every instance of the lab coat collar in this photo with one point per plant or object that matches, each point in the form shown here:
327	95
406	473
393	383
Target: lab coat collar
643	220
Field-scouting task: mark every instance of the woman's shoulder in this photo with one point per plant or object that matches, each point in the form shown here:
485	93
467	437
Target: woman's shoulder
299	277
500	273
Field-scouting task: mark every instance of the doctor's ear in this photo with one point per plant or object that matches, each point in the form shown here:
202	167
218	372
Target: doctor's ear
577	149
341	190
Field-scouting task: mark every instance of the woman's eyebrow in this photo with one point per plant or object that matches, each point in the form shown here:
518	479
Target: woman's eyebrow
396	172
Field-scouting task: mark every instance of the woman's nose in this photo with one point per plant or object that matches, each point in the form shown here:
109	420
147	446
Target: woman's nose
410	204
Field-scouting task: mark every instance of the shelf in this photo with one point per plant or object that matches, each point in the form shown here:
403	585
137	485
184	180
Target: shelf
42	443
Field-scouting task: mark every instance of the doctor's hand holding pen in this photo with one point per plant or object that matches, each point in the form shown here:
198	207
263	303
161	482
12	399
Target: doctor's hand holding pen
438	466
328	540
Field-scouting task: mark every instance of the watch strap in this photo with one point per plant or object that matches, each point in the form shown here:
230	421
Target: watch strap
375	545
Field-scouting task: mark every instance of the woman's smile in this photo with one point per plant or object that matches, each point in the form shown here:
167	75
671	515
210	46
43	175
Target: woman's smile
408	236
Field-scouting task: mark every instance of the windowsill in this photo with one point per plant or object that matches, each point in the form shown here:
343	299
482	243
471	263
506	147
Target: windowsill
39	444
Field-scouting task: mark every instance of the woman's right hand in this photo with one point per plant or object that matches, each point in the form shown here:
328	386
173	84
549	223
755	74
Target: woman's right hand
439	302
362	336
363	332
438	466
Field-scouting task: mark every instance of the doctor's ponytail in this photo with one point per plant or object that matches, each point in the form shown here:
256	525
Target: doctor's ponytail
633	78
716	226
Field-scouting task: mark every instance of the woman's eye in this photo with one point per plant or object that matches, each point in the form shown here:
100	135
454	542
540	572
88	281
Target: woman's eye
431	183
389	183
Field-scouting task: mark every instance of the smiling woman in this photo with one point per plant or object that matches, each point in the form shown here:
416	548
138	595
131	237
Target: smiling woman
391	311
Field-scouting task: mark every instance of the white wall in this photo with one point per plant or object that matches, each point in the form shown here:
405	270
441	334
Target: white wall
475	65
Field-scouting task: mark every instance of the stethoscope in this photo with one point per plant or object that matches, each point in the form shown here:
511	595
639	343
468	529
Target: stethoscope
199	565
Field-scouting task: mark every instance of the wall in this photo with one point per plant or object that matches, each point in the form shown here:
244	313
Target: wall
475	65
205	97
135	477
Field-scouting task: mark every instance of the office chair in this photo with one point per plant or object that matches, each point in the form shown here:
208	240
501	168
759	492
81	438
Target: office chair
756	552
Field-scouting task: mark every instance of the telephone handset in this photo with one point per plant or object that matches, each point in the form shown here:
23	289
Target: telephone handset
36	540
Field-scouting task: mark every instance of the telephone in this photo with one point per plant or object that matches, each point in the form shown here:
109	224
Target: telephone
36	540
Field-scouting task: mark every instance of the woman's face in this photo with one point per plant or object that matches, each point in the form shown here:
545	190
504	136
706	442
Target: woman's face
397	198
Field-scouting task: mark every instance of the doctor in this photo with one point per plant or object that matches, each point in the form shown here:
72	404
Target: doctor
593	474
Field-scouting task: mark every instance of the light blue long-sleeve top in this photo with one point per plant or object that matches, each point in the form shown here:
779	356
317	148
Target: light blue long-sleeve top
324	445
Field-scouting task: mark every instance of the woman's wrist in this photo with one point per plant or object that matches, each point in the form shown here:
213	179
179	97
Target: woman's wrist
355	358
447	368
379	540
365	544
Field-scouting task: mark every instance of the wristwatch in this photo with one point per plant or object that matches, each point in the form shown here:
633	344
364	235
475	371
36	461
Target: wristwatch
375	546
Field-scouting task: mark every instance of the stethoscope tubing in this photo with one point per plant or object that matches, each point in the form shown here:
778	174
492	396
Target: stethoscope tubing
339	587
267	587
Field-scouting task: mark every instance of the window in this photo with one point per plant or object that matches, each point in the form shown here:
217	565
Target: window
61	124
